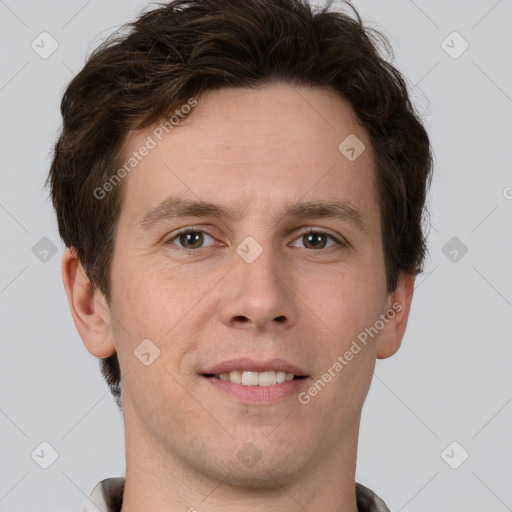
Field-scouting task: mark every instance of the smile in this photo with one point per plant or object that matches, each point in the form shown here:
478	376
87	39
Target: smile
252	381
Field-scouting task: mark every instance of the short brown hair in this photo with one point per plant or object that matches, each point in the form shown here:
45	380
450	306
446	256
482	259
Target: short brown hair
185	47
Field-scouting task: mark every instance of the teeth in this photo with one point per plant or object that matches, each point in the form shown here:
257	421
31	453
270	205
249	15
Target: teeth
250	378
268	378
280	376
235	376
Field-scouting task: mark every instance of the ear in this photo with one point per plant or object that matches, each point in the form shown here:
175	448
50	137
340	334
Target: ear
398	306
89	308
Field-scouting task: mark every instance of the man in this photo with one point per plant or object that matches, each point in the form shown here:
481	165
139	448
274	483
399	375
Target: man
240	187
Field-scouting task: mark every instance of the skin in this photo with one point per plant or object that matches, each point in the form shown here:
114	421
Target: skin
255	150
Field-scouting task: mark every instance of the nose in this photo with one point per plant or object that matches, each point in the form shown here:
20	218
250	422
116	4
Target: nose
259	294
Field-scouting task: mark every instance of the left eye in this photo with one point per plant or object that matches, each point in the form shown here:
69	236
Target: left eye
318	239
194	239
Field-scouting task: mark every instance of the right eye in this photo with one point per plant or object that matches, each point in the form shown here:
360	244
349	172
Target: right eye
189	239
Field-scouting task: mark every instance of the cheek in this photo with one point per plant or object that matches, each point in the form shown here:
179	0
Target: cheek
152	304
148	299
351	301
347	301
347	308
162	404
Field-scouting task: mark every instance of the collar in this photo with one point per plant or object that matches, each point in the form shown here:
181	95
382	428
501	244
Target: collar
107	496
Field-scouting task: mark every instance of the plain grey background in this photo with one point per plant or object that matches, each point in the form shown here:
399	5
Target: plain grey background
446	393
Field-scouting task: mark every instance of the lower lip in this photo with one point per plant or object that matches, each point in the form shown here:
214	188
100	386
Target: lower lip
258	394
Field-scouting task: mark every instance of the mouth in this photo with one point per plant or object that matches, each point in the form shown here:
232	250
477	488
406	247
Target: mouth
256	382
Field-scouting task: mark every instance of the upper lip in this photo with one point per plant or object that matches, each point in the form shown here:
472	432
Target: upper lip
252	365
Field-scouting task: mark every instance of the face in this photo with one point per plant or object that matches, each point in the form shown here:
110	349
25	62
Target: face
279	275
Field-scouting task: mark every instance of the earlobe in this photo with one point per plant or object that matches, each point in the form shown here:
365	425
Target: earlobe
88	307
397	309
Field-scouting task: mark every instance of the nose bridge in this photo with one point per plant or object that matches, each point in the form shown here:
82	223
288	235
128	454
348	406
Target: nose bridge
257	290
256	265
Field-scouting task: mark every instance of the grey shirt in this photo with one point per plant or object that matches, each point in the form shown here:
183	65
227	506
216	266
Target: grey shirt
107	496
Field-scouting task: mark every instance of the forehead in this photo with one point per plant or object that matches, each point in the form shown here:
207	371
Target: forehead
250	147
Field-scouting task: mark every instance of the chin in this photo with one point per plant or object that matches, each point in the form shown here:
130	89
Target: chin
268	476
272	467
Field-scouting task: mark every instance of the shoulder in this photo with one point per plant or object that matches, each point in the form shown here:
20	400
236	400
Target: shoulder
368	501
107	496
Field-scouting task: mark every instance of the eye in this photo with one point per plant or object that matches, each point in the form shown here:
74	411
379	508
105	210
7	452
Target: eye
189	239
317	239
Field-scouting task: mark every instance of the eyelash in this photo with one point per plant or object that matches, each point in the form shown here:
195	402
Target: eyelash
309	231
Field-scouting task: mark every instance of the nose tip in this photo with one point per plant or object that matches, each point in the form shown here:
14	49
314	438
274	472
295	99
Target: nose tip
255	294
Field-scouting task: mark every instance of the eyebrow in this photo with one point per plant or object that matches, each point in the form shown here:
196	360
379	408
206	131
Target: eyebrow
174	207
